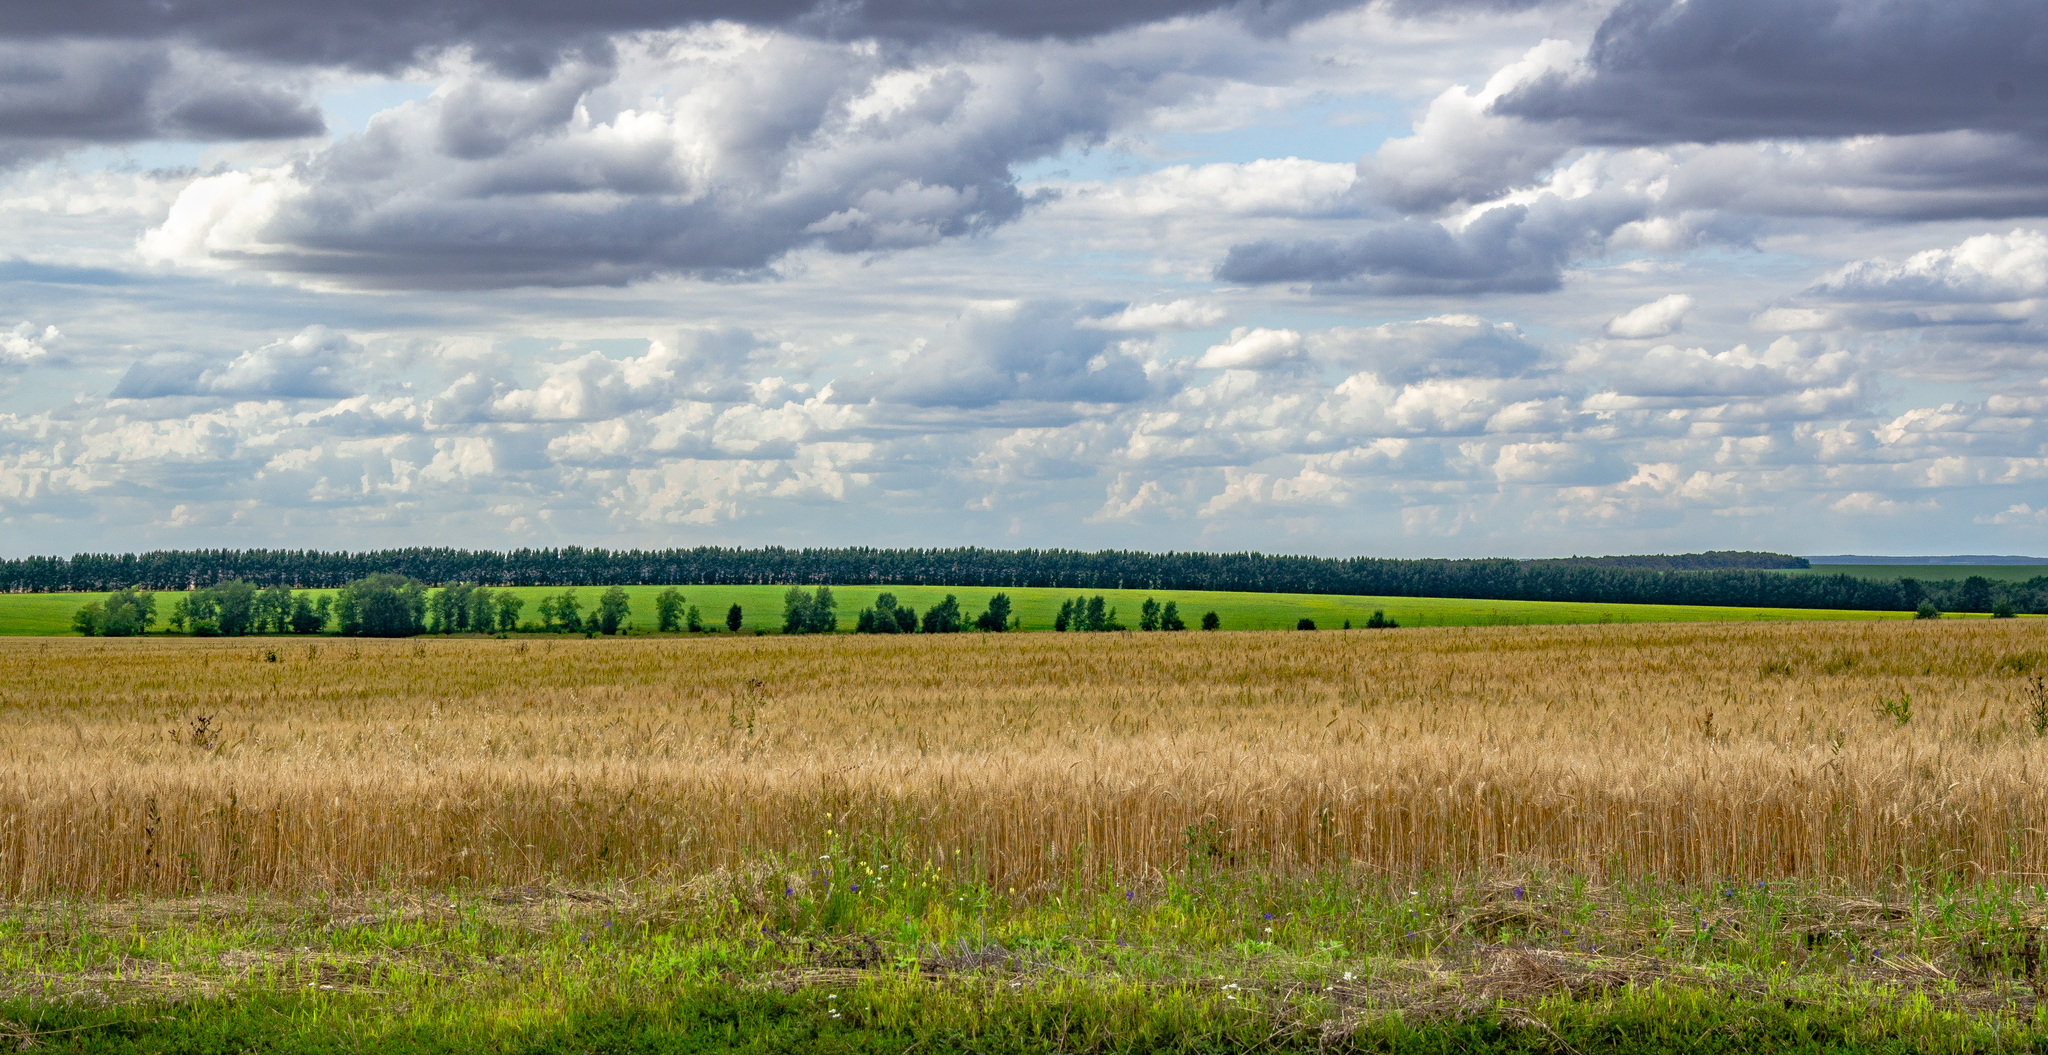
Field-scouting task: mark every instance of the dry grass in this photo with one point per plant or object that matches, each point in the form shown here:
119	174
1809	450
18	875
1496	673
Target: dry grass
1682	751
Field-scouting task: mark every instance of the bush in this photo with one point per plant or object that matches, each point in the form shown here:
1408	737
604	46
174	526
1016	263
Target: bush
1379	621
2002	610
1211	621
1305	624
886	618
733	619
1169	617
1927	611
87	621
1148	615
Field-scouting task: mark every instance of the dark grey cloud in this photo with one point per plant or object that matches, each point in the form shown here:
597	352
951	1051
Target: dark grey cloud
1032	352
1508	249
60	95
528	36
1663	71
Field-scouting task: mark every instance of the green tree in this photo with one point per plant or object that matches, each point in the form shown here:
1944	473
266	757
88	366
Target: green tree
997	618
694	620
236	607
613	607
944	617
569	611
381	605
509	605
273	610
668	609
733	619
1379	621
1304	623
305	618
128	612
881	619
1148	615
809	613
1211	621
1169	618
479	617
1064	621
441	609
1927	611
87	620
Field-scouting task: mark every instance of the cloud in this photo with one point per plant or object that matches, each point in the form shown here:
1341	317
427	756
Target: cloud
24	346
1152	318
1512	248
710	152
313	364
59	95
1443	346
1249	349
1659	318
1010	351
1988	268
1874	504
1674	71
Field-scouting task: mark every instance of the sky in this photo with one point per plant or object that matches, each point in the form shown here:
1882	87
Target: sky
1398	278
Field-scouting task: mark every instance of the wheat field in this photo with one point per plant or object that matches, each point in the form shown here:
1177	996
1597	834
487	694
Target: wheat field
1683	752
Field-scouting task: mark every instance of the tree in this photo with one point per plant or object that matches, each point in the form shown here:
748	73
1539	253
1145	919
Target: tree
272	610
509	605
944	617
87	619
568	611
441	611
1975	595
235	610
906	619
1304	623
881	619
1211	621
1169	617
1065	620
381	605
809	613
1148	615
997	618
613	606
2002	610
732	619
305	618
668	609
694	620
128	612
480	617
1379	621
1096	616
1927	611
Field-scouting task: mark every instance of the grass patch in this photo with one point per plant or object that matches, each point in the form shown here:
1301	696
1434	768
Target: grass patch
866	959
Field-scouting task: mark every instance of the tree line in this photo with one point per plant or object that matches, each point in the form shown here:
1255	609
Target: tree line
1724	578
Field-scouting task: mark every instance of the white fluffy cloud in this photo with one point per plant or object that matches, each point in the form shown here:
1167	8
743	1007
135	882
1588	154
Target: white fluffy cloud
1659	318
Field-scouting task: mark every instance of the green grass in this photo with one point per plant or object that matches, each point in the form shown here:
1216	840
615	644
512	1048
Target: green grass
33	614
1928	572
846	955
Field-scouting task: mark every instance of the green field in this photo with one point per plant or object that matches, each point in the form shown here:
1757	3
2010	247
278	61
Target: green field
43	614
1928	572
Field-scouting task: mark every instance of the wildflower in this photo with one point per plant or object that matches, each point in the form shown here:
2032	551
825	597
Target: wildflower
1266	915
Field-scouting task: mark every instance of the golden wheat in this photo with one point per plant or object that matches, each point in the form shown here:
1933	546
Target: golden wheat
1682	751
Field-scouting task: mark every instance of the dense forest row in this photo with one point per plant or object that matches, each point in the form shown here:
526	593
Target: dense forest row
1725	578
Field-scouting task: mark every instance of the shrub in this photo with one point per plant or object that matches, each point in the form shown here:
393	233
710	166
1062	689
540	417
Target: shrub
733	619
1304	623
1148	616
87	621
2002	610
1211	621
1927	611
1169	617
1379	621
693	621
